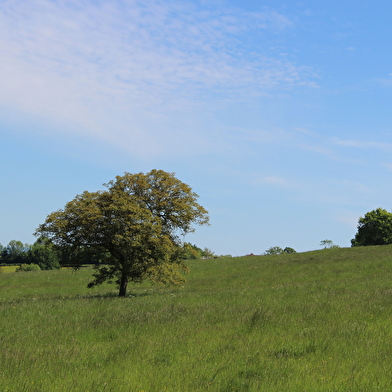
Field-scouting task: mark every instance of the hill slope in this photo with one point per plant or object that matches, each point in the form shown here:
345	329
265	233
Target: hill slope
315	321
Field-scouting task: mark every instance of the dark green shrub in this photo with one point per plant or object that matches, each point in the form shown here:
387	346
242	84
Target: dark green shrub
44	256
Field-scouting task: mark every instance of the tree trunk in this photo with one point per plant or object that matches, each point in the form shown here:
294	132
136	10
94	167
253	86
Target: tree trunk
123	285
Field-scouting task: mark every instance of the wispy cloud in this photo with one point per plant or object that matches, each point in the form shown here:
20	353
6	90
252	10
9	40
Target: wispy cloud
315	191
101	64
387	147
385	81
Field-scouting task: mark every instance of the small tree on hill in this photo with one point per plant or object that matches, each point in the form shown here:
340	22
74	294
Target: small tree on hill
328	244
273	250
375	228
207	253
132	228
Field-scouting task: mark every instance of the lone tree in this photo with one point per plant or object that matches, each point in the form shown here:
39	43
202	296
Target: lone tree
132	228
328	244
375	228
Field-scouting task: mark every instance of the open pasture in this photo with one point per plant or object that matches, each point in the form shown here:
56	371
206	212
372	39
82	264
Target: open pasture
316	321
8	268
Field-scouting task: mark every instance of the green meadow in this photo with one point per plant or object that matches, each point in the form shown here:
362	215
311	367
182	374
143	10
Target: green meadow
314	321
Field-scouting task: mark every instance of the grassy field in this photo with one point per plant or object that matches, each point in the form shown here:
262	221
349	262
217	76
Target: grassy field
315	321
8	268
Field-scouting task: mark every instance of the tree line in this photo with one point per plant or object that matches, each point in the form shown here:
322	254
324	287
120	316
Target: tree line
42	253
46	256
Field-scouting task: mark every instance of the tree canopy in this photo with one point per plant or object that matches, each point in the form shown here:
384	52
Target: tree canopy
132	228
375	228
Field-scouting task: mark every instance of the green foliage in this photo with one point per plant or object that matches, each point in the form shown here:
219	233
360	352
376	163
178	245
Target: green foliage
42	252
15	252
44	256
191	252
277	250
28	267
132	229
375	228
328	244
316	321
273	250
17	249
207	253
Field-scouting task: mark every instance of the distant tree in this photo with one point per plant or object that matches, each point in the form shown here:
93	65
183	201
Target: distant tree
375	228
274	250
289	250
328	244
133	228
191	252
207	253
277	250
4	256
44	254
15	252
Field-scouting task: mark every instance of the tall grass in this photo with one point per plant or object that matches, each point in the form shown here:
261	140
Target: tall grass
316	321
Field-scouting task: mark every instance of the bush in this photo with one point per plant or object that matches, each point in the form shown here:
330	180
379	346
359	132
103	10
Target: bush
28	267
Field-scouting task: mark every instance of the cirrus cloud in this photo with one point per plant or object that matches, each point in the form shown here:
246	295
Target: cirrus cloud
120	69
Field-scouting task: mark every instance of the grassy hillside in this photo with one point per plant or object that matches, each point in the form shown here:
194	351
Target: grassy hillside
316	321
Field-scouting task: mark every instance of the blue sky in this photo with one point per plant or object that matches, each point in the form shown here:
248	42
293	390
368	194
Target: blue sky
278	114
